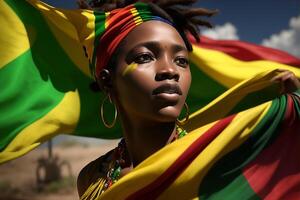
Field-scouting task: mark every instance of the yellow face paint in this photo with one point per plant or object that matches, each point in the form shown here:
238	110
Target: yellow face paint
130	68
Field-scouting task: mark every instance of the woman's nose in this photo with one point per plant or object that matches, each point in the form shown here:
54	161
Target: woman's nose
166	70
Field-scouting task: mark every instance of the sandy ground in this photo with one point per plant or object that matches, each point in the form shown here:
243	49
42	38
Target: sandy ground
18	177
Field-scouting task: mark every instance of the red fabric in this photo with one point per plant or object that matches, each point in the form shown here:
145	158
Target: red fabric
153	190
246	51
120	23
275	173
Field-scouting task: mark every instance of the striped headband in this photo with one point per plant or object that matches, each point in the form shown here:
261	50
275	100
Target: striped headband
112	27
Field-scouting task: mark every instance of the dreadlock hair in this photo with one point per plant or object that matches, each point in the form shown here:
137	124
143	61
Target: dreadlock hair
180	12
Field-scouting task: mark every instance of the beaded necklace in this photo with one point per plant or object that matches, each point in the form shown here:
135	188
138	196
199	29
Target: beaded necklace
122	160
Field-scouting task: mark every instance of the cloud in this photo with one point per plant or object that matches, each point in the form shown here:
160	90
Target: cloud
226	31
287	40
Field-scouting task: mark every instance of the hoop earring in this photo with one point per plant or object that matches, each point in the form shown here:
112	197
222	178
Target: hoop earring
102	113
187	115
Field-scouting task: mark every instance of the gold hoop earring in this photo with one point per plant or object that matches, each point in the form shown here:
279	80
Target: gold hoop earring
187	115
102	113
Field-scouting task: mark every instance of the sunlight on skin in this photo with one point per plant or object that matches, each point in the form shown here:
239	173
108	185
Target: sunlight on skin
130	68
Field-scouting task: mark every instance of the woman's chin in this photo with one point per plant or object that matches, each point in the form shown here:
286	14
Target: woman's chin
168	114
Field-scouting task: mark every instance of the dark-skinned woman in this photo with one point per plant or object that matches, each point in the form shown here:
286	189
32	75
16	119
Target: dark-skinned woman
146	75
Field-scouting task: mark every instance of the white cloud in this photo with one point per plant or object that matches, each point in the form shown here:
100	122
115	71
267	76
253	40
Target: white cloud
287	40
226	31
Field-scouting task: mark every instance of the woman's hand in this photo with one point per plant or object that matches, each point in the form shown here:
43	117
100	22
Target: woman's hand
288	81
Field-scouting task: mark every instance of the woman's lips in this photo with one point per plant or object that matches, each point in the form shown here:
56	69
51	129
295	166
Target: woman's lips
170	92
167	89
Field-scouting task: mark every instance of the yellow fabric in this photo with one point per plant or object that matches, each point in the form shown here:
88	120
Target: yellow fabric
233	136
155	166
106	19
240	128
72	29
11	35
93	191
230	71
56	121
223	104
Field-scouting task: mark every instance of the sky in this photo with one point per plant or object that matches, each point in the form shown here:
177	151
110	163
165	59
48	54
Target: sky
273	23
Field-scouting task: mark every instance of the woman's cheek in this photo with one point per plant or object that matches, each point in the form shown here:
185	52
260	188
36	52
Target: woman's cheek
129	69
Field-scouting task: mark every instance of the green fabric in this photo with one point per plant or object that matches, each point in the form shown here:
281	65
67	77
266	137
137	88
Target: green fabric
238	189
22	79
226	175
36	82
203	89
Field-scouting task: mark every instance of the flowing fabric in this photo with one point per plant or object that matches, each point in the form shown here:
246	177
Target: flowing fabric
244	136
249	155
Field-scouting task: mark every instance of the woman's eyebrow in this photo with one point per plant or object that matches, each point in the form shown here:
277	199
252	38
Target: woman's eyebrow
177	48
155	46
152	45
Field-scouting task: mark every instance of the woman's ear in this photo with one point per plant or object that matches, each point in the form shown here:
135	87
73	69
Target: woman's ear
105	80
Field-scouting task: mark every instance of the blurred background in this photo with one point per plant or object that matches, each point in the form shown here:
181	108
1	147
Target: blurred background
50	171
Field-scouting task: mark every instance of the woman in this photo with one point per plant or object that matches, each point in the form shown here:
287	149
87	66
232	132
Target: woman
148	79
146	76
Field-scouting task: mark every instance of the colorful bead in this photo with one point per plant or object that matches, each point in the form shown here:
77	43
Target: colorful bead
114	172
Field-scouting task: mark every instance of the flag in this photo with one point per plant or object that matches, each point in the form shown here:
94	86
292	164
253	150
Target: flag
249	155
45	78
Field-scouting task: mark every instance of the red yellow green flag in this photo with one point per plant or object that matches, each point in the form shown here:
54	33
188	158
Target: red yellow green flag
244	137
45	77
249	155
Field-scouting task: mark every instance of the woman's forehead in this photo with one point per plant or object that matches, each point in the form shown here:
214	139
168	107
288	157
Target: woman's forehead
153	33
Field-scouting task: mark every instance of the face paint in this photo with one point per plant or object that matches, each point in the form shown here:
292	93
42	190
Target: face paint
130	68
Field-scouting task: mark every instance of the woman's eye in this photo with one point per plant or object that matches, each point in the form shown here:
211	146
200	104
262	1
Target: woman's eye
143	58
181	61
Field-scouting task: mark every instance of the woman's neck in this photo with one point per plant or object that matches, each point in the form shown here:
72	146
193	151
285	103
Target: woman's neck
143	138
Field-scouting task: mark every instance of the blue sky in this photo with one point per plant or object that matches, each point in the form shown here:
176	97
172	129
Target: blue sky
254	21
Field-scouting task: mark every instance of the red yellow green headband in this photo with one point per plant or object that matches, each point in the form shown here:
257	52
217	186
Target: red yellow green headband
112	27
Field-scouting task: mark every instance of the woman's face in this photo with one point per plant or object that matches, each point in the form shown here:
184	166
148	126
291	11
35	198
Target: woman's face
152	76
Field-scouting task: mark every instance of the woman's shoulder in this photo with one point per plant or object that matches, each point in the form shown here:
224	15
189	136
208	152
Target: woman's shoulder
93	171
